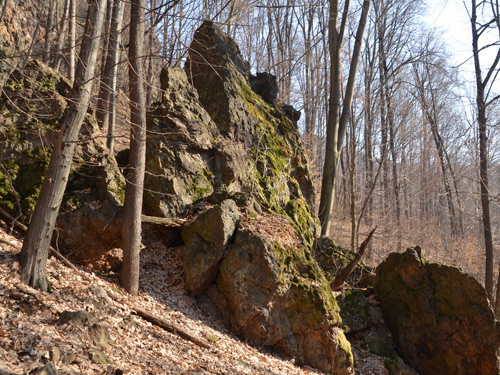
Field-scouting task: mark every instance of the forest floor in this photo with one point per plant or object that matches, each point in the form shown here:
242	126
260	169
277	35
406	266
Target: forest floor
32	336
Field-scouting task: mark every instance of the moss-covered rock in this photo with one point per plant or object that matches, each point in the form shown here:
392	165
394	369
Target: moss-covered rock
333	259
439	317
31	105
214	137
207	239
274	294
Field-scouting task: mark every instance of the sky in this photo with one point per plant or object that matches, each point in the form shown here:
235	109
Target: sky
451	18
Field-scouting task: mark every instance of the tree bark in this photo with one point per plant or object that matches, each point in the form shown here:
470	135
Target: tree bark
483	152
36	244
131	229
337	120
62	35
116	25
72	40
48	31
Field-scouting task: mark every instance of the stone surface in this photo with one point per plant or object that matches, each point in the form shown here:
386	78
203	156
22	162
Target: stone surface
207	239
357	311
218	139
274	294
265	85
79	318
31	105
439	317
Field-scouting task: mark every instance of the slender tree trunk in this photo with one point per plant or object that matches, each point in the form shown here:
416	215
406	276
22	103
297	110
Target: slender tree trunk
34	38
48	31
62	36
483	156
135	180
72	40
337	120
150	73
103	98
113	59
36	244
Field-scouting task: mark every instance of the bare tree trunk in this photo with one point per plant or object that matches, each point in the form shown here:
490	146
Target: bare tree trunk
72	40
337	120
481	104
135	180
36	244
34	38
113	60
62	35
103	98
48	31
150	73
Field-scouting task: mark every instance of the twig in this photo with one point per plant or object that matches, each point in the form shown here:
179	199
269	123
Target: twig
38	299
346	272
11	244
172	328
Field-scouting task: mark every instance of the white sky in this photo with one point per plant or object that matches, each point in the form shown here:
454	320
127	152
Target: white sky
451	18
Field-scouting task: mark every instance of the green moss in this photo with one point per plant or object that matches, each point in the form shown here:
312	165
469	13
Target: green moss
27	181
312	295
345	346
48	83
201	187
13	85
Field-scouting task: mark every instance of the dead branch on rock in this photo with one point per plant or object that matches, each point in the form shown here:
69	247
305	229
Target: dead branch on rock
171	222
346	272
172	328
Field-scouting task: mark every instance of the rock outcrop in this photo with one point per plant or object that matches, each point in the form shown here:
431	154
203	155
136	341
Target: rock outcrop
213	138
31	105
439	317
220	144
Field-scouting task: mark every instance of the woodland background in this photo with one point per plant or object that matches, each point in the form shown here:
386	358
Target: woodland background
411	163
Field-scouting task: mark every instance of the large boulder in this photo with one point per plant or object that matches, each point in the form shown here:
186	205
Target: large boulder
31	104
274	294
214	138
207	239
439	317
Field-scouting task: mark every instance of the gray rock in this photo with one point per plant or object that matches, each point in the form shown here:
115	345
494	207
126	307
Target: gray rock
439	317
48	369
79	318
207	239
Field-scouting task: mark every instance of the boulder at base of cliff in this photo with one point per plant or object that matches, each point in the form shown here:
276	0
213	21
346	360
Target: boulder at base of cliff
207	239
439	316
274	294
31	105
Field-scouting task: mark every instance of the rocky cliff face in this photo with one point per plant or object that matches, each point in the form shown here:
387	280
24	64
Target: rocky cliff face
212	137
31	105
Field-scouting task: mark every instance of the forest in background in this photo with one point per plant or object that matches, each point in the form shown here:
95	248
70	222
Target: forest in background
412	159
